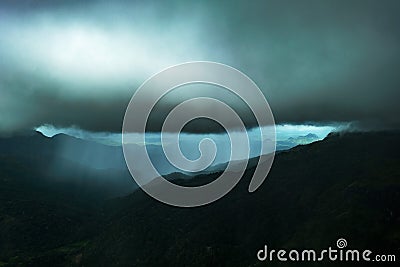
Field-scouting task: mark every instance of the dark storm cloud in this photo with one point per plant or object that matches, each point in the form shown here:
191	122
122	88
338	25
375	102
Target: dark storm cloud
331	61
74	63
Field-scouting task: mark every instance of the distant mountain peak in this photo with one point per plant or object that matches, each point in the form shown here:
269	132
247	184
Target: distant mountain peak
300	140
311	135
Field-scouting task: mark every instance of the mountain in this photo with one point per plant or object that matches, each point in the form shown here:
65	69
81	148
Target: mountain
303	140
345	186
294	141
83	152
82	167
281	145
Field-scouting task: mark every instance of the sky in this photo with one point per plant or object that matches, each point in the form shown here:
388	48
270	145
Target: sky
189	145
283	132
77	63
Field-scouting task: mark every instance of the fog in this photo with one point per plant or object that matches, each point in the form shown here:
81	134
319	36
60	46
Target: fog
76	64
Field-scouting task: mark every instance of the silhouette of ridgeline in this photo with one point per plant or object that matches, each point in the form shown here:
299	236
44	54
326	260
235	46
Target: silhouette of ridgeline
345	186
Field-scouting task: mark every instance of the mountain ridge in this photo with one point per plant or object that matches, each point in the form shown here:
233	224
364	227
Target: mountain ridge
345	186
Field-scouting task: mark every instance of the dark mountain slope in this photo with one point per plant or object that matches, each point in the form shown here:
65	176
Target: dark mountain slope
344	186
48	201
84	152
87	167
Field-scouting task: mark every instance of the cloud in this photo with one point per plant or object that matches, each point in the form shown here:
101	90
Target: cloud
78	64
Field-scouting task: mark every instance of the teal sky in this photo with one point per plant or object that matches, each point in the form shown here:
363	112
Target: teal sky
77	63
283	132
